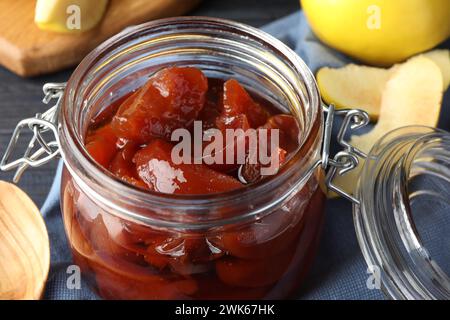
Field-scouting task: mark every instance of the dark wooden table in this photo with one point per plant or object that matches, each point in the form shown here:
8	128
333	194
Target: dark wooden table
20	98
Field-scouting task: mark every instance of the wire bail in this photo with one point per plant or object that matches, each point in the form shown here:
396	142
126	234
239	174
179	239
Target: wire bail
347	159
40	124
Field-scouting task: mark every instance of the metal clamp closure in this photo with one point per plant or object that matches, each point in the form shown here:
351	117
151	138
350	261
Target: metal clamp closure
348	158
39	125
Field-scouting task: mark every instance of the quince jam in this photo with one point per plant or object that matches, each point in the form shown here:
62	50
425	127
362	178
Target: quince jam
132	140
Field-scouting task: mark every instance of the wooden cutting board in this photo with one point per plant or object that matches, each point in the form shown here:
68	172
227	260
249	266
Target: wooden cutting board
29	51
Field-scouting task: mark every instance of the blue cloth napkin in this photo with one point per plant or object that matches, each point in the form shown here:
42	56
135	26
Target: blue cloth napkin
339	271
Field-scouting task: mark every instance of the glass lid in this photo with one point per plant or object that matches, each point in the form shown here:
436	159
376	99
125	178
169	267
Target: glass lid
402	217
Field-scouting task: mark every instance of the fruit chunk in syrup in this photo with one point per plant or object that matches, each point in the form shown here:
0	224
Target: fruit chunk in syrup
156	168
171	99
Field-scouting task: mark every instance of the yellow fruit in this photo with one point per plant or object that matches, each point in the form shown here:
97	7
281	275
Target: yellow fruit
412	96
442	59
69	16
356	87
361	87
379	32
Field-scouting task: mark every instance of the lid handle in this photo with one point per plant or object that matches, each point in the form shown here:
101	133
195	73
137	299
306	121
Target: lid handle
41	123
347	159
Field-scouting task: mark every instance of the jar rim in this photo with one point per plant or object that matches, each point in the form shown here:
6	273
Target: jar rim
78	151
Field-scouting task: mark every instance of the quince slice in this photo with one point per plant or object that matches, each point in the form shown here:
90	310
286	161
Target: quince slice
353	86
61	15
412	96
442	58
361	87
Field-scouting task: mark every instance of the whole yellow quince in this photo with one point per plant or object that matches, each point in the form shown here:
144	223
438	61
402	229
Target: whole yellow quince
379	32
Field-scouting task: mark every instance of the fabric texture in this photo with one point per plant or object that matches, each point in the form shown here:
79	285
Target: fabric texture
339	270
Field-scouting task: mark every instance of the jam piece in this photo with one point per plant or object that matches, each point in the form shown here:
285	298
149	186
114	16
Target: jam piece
237	122
122	165
237	101
105	235
253	273
78	237
140	234
105	115
208	115
288	142
239	111
101	145
171	99
252	170
264	238
180	253
289	131
111	286
155	167
183	255
213	105
232	117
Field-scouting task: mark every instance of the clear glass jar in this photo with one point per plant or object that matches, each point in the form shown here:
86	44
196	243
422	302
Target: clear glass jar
402	219
256	242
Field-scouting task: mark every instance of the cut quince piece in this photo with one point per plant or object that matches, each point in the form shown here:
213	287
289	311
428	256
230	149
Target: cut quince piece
412	96
361	87
172	98
155	166
442	58
354	86
236	101
57	15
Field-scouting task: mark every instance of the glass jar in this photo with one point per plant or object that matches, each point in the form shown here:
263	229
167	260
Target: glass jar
256	242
